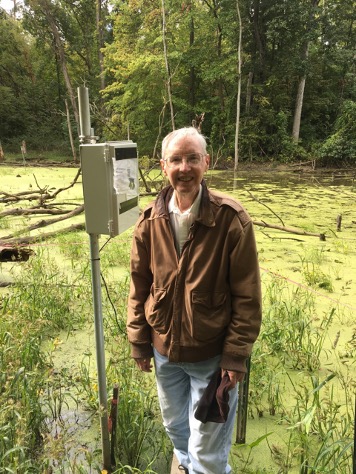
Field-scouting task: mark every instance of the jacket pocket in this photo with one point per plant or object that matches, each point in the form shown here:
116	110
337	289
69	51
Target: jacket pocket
157	310
210	315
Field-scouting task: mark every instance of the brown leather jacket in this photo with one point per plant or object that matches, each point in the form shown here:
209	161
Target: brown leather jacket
208	301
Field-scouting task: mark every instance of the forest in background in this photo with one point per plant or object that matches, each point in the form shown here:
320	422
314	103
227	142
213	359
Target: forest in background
275	76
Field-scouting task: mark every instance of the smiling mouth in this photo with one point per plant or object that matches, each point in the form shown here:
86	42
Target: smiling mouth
185	178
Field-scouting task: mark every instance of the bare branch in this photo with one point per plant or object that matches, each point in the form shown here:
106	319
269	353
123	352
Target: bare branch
33	211
41	237
42	195
289	229
265	205
44	223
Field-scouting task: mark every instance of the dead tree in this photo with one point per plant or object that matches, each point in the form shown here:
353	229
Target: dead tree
45	205
198	121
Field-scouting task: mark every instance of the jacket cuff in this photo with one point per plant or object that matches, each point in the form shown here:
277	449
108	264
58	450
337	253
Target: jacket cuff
141	351
237	364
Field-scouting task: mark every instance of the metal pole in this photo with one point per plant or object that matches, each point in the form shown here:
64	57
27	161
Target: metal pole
84	114
100	353
86	136
242	406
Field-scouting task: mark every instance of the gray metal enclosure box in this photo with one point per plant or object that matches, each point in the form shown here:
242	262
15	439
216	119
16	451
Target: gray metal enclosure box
110	186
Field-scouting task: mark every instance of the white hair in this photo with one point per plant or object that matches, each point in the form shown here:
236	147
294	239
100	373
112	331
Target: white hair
181	133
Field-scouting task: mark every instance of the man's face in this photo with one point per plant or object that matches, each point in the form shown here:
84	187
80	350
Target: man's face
185	164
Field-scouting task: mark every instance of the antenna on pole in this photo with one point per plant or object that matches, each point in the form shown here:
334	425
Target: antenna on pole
86	132
86	136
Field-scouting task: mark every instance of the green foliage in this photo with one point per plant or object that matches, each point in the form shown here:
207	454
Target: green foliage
317	412
141	435
134	97
27	108
340	147
319	425
44	296
34	107
289	328
130	97
14	79
38	305
266	136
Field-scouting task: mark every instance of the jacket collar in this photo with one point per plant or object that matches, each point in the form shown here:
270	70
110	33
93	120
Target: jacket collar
206	215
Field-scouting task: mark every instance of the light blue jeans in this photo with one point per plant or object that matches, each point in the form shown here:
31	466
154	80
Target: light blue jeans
203	448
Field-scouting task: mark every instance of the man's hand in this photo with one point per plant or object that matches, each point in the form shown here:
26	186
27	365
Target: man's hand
234	377
144	364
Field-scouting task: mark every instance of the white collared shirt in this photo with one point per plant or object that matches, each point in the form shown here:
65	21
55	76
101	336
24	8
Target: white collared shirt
182	221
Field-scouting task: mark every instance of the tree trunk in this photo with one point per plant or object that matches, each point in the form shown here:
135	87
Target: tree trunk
99	33
220	80
169	78
59	50
238	100
16	241
214	8
259	39
249	92
160	126
290	230
70	132
192	69
302	80
298	109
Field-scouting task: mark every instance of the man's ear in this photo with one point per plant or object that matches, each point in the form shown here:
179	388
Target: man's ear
163	166
207	162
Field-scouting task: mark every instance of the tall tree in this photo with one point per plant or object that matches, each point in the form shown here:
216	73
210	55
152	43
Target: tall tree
50	15
68	28
100	40
238	100
215	9
259	50
15	79
168	69
134	63
302	79
192	74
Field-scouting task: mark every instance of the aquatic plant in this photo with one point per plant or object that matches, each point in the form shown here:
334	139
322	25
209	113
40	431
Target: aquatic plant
292	346
141	442
321	429
291	327
40	302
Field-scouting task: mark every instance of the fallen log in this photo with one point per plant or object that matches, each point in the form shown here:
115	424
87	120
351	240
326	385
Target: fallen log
41	237
289	230
42	194
32	212
46	222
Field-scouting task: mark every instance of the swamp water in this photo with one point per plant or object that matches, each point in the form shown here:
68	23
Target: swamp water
288	401
300	388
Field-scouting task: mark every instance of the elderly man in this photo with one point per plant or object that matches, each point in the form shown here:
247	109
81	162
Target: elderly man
195	301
